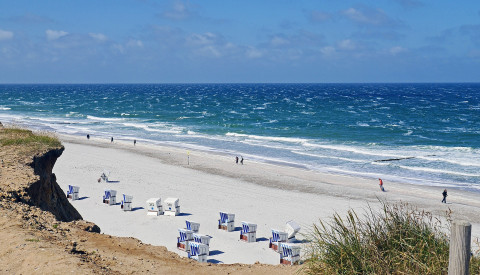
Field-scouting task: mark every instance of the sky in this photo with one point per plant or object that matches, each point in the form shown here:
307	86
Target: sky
226	41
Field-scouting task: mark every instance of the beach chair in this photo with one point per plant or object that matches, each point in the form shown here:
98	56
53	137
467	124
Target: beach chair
249	232
154	207
172	207
199	238
186	236
72	192
104	175
290	254
292	228
226	221
110	197
194	226
277	238
199	252
127	203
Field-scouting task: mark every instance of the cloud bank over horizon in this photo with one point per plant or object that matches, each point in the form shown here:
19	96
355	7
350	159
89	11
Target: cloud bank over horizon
178	41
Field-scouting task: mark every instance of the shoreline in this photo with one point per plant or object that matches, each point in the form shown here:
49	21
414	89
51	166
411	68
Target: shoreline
262	193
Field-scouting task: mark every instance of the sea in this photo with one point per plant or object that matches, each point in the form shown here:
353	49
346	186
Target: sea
424	134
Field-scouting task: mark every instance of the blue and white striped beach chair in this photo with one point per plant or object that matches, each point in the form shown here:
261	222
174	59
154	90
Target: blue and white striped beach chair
198	251
199	238
186	236
249	232
290	254
110	197
194	226
72	192
226	221
277	238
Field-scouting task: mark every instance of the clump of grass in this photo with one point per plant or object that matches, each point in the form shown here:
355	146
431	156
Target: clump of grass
399	239
32	240
16	136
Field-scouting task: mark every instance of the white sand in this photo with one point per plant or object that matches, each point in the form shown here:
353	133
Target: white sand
265	194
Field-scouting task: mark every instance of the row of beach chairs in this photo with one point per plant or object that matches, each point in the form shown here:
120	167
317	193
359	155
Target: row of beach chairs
197	245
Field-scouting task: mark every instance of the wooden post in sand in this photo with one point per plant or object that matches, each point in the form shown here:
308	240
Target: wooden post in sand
459	257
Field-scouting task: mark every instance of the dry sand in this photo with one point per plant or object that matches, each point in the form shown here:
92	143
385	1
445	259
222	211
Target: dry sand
265	194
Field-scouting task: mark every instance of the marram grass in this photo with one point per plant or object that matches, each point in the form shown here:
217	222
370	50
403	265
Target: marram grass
16	136
399	239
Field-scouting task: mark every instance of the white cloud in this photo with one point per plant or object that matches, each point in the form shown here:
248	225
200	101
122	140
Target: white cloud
397	49
253	53
54	35
346	44
134	43
202	39
5	35
329	50
278	41
98	36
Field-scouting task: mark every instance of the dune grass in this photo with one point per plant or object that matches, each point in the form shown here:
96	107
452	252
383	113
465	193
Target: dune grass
17	136
399	239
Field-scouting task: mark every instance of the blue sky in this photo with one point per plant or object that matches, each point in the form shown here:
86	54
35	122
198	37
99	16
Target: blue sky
146	41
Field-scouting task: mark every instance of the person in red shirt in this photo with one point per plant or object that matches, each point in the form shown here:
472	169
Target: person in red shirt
381	185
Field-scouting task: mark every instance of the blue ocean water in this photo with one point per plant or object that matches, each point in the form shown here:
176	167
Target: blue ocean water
418	133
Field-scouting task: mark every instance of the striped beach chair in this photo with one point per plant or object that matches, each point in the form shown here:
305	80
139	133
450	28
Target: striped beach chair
199	252
186	236
290	254
194	226
199	238
110	197
226	221
249	232
277	238
72	192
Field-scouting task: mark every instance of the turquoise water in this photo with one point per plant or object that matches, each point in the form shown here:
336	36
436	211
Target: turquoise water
417	133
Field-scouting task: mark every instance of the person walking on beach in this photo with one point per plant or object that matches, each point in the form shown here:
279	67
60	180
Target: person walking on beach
241	160
88	136
381	185
236	159
111	140
134	142
444	196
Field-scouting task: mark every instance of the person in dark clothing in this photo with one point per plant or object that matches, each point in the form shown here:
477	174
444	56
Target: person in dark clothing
88	136
236	159
444	196
241	160
134	142
111	140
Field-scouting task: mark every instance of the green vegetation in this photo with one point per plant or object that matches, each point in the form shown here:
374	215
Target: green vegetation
397	240
32	240
15	136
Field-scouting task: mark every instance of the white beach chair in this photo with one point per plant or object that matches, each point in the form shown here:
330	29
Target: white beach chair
127	203
199	252
72	192
154	207
277	238
226	221
110	197
199	238
172	207
186	236
194	226
292	228
290	254
249	232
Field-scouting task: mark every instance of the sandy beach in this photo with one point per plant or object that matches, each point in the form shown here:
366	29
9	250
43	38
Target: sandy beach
206	183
